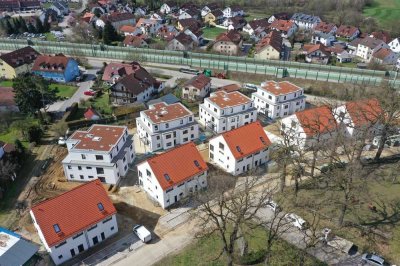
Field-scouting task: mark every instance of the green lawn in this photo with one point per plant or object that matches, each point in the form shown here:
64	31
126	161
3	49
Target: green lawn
212	33
64	90
6	83
385	12
50	37
101	103
205	252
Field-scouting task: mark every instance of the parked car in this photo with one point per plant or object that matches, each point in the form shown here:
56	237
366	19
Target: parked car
273	206
372	259
338	243
90	93
61	141
297	221
142	233
250	86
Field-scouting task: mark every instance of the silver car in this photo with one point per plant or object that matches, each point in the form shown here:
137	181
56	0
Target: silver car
372	259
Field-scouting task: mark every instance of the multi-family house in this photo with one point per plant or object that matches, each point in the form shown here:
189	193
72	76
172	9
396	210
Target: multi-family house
207	8
310	127
281	16
181	42
17	62
58	68
360	118
173	175
169	7
19	5
214	17
149	26
234	23
117	19
368	46
233	11
304	21
395	45
228	43
324	38
114	71
75	221
240	150
189	13
286	27
325	27
224	111
103	152
270	47
164	126
196	34
348	33
385	56
278	99
196	88
135	41
188	23
256	24
316	53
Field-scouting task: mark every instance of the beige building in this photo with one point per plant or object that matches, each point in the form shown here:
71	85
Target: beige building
270	47
17	62
196	88
229	43
214	17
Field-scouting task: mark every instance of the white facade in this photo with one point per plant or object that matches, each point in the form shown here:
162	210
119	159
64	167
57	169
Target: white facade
398	64
395	45
165	198
325	39
366	52
81	241
163	127
229	12
220	154
235	111
88	164
166	9
286	102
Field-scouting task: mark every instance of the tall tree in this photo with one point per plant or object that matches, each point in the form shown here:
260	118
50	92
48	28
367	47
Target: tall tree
32	93
7	170
109	33
46	24
9	27
31	28
23	27
39	26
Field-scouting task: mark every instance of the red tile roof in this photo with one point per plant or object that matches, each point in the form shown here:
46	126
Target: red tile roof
246	140
382	53
178	164
280	88
198	82
310	48
364	112
162	112
72	211
382	35
90	112
224	99
134	41
49	63
317	120
230	36
346	31
119	69
324	27
229	88
273	39
98	137
127	28
282	25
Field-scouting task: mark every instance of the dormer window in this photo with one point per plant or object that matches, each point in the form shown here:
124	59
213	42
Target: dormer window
56	228
100	206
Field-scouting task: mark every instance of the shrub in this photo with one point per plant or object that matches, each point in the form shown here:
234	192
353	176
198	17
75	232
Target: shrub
253	257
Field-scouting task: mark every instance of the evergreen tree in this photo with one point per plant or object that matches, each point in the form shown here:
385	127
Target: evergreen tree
109	33
24	27
17	24
46	24
31	28
9	27
39	26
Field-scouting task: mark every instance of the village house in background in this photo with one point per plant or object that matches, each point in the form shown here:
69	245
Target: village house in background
171	176
164	126
17	62
57	68
240	150
228	43
278	99
75	221
103	152
270	47
224	111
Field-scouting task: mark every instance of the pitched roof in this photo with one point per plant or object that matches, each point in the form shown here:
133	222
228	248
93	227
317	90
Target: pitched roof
282	25
310	48
324	27
217	13
162	112
317	120
90	112
246	140
97	138
72	211
279	88
177	165
198	82
346	31
381	35
364	112
274	39
383	53
305	18
230	36
117	17
371	42
229	88
26	55
282	15
47	63
224	99
184	39
188	22
259	23
134	41
120	69
138	81
7	96
127	28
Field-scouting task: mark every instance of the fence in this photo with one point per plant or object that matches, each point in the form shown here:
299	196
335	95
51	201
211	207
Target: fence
233	63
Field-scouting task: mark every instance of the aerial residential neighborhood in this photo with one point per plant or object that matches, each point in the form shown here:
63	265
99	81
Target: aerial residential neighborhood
199	133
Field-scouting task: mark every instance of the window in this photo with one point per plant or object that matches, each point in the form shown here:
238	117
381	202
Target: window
91	228
169	144
107	220
211	147
78	235
112	228
166	125
69	167
100	206
83	156
181	121
99	170
71	176
185	131
221	146
62	243
81	176
148	172
99	157
155	127
90	176
168	136
60	257
79	167
185	139
246	116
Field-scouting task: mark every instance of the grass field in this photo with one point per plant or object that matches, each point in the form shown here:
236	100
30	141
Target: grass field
6	83
384	11
212	33
50	37
64	90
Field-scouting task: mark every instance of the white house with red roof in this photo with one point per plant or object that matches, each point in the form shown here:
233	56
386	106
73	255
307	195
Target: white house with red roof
286	27
306	128
102	152
196	88
75	221
278	99
164	126
360	117
224	111
173	175
241	149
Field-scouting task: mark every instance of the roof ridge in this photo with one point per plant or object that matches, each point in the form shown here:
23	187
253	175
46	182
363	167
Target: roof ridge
235	129
172	149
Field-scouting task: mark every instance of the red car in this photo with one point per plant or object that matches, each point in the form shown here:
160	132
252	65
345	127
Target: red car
90	93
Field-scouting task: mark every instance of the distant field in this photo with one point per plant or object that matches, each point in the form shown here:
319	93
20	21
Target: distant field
384	11
212	33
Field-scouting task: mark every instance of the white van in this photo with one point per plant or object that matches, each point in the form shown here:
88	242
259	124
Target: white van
142	233
296	221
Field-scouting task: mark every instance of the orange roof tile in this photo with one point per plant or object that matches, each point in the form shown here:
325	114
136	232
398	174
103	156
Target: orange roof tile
382	53
177	165
162	112
127	28
364	112
280	88
72	211
98	137
229	88
246	140
282	25
317	120
224	99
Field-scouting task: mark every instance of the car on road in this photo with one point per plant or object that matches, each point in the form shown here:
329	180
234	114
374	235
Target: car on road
372	259
296	221
90	93
273	205
142	233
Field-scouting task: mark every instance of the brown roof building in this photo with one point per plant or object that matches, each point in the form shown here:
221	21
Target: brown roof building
17	62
